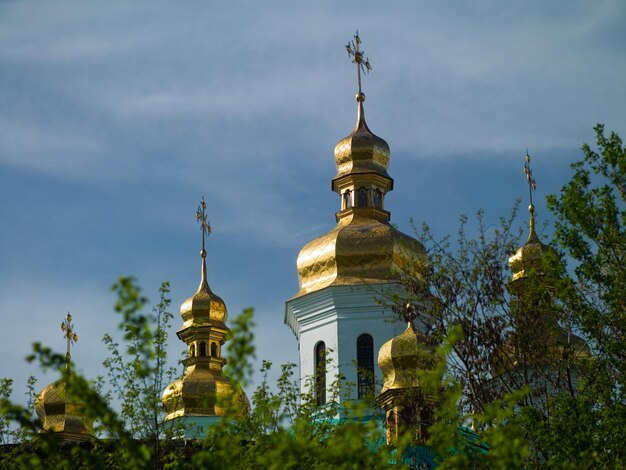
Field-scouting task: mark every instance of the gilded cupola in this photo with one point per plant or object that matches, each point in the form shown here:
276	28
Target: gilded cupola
56	413
409	406
530	256
401	358
203	390
539	338
363	247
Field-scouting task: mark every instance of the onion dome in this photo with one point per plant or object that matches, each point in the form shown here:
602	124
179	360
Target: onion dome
529	257
203	390
401	358
409	407
359	250
363	247
540	339
55	412
362	151
204	307
60	416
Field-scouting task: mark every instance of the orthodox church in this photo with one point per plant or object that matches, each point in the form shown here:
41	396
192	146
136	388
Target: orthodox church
342	327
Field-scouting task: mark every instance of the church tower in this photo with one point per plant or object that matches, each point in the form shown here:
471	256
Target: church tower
539	352
200	397
337	315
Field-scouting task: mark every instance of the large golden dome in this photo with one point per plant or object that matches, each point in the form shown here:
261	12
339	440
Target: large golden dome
203	391
359	250
363	247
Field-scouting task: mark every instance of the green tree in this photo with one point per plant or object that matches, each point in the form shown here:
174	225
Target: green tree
138	371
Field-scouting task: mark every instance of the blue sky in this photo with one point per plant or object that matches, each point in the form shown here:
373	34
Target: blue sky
117	117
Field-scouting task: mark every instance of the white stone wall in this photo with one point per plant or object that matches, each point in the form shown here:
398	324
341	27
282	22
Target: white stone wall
338	315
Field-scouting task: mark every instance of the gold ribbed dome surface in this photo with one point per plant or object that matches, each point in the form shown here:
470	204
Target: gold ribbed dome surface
359	250
400	358
529	257
363	248
59	416
361	151
204	307
550	341
198	392
203	390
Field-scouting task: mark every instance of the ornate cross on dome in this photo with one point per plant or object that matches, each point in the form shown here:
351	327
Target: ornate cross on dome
532	186
204	225
67	327
354	51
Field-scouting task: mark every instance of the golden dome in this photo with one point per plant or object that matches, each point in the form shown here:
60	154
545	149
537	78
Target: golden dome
59	416
400	358
204	307
363	247
361	151
529	257
549	340
202	391
359	250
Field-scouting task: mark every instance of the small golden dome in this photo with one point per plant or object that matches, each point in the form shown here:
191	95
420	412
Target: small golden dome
204	307
400	359
59	416
361	151
529	257
359	250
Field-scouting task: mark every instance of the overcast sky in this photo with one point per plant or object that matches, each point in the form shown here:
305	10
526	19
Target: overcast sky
117	117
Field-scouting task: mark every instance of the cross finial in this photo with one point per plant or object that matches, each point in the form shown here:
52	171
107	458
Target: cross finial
532	185
67	327
204	225
354	51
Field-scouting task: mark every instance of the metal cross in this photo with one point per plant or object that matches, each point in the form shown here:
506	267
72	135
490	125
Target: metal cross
532	186
67	327
204	225
354	51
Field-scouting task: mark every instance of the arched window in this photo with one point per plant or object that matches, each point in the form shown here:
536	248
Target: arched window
192	350
213	349
202	349
320	373
365	363
378	199
347	199
362	197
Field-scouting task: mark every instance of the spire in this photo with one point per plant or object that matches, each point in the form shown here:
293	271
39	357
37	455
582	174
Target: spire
530	254
205	227
67	327
532	186
354	51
